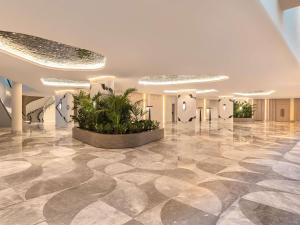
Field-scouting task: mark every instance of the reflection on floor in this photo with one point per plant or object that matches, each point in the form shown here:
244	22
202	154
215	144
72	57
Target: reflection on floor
214	174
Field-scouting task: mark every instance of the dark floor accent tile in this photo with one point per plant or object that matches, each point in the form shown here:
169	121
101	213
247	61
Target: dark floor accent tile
267	215
154	196
209	167
244	176
175	213
63	207
133	222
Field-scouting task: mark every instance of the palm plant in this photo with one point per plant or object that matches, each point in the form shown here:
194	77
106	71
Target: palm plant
111	113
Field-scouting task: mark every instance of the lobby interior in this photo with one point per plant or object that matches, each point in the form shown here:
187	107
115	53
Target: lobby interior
150	112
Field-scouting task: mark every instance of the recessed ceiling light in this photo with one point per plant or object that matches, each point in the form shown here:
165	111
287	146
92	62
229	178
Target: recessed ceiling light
254	93
54	82
49	53
180	79
189	91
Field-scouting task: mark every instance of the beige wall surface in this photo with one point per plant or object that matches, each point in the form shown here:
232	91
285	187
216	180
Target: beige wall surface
169	101
157	107
297	110
282	110
259	106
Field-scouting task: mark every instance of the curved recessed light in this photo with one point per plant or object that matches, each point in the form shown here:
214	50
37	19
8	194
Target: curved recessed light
180	79
254	93
54	82
49	53
190	90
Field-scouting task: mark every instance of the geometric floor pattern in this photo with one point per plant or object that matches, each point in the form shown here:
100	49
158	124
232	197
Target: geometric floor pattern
215	173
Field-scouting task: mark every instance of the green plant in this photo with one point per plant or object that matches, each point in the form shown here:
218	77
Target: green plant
83	53
110	113
242	109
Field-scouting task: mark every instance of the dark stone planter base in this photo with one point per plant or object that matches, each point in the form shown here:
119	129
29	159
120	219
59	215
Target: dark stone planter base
243	120
116	141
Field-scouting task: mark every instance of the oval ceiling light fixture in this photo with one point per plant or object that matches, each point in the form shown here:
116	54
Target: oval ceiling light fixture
190	90
50	54
180	79
54	82
254	93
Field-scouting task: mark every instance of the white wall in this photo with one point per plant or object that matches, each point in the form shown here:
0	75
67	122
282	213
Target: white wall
291	24
49	114
168	115
214	106
273	9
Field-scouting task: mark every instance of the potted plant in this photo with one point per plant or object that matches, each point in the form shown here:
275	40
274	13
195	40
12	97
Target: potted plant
113	121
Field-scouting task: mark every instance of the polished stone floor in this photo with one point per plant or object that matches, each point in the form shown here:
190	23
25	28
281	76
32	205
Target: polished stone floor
197	175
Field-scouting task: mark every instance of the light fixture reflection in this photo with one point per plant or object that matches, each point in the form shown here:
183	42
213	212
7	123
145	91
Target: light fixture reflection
256	93
180	79
64	83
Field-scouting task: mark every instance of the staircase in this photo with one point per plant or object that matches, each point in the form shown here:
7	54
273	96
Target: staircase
5	102
35	110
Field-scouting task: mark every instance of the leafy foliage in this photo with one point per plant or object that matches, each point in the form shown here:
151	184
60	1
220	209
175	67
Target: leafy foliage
242	109
111	113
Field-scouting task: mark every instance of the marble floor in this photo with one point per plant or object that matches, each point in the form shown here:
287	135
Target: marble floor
197	175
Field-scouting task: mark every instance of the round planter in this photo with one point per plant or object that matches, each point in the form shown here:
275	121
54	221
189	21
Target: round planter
116	141
243	120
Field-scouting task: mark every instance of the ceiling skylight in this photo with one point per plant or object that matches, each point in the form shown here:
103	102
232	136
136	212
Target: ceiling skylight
254	93
49	53
180	79
54	82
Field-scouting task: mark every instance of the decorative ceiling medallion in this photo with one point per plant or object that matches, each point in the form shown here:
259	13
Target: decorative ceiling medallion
254	93
180	79
49	53
54	82
190	91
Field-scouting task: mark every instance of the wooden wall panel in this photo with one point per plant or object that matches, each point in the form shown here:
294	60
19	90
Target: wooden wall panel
297	110
259	114
282	113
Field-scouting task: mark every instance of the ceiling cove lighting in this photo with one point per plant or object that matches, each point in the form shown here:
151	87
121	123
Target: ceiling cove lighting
102	77
190	90
180	79
54	82
254	93
206	91
50	54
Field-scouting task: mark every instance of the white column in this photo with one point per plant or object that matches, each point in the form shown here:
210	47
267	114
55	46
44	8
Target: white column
17	121
226	109
64	108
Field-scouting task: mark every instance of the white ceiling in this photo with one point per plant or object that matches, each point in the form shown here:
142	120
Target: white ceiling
287	4
141	37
